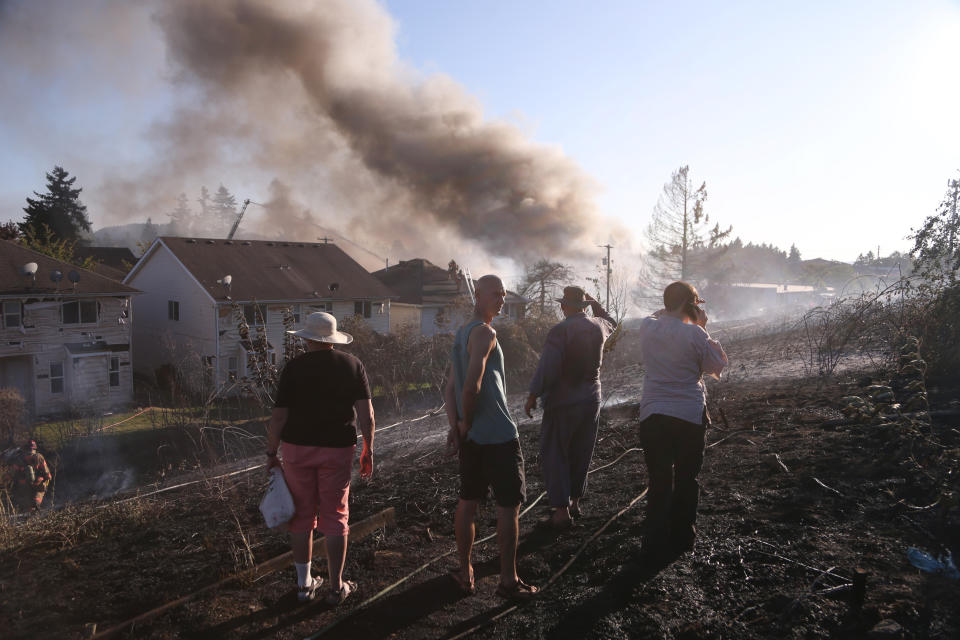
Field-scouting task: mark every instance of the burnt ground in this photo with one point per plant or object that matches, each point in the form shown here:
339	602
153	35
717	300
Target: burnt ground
792	505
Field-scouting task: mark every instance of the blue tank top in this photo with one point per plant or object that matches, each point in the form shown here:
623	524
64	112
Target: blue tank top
492	423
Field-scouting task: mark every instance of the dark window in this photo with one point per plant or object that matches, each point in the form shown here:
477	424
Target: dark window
114	372
56	377
255	314
11	314
232	364
79	312
173	310
362	308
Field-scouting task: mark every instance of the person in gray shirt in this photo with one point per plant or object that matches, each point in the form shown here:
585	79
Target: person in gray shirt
568	381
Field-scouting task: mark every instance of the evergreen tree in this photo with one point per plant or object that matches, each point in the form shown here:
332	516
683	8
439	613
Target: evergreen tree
148	235
794	257
223	208
678	230
182	217
58	211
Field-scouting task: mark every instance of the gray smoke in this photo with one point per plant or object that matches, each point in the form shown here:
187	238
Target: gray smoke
312	96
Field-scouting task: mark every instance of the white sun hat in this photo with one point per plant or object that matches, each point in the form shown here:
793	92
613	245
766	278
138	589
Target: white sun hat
322	327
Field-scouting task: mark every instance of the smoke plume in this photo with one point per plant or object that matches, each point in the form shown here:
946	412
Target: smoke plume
311	98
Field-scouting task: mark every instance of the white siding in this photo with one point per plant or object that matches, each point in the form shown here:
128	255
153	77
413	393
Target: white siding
41	342
158	340
404	315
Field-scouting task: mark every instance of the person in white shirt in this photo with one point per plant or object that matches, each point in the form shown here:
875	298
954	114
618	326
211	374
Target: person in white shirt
677	352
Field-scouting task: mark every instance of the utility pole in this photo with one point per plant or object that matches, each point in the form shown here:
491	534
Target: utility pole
606	262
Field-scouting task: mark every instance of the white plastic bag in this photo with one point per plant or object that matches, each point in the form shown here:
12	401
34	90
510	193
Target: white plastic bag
277	506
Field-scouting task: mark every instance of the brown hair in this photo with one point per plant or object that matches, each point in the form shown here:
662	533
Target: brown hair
679	293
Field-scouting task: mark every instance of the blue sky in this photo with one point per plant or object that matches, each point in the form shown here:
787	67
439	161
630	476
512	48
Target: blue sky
829	125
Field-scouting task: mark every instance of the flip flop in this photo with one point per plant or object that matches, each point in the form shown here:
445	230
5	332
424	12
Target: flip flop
464	588
520	590
337	597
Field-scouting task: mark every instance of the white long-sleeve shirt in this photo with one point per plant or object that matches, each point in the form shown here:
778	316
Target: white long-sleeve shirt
676	356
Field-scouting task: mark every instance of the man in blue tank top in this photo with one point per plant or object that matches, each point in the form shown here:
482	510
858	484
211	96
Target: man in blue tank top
486	438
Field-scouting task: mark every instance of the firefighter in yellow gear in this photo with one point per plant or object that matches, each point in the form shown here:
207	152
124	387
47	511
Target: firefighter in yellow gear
31	477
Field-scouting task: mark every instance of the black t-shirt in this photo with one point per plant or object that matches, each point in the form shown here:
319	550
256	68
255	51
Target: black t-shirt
319	388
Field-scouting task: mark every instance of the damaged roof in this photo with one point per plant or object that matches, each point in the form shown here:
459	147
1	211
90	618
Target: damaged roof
419	281
13	282
271	270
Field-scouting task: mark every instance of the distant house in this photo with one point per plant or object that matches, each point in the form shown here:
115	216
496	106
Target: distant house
191	285
747	298
65	334
112	262
433	299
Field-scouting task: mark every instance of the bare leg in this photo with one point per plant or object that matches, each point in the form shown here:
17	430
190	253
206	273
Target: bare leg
466	531
508	531
336	557
302	544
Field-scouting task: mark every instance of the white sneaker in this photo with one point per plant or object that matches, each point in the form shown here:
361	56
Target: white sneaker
308	593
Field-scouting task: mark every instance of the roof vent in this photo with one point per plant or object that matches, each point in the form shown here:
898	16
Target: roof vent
286	244
271	244
301	245
211	242
228	242
191	241
245	243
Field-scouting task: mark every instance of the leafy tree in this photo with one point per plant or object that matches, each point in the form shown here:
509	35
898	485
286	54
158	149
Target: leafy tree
543	279
57	212
936	246
47	243
678	228
9	230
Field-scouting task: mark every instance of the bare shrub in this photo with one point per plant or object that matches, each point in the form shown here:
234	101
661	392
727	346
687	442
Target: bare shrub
12	411
401	362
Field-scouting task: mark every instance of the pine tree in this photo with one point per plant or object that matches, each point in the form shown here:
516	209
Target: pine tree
794	256
182	216
224	208
58	211
678	230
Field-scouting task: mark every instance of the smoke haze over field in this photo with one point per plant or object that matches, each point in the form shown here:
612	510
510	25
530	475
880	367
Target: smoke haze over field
308	103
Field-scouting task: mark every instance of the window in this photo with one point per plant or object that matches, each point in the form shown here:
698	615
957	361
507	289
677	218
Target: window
295	311
232	365
255	314
326	307
56	377
79	312
173	310
12	314
114	372
362	308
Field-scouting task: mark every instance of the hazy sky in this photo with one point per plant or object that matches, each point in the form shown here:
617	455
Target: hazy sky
829	125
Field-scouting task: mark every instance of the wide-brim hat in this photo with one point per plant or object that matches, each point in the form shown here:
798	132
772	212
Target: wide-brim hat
322	327
574	297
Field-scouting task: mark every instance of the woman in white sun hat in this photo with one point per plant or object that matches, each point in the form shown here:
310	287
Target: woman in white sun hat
322	397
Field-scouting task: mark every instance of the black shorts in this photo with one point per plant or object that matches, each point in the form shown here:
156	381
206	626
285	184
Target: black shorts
499	466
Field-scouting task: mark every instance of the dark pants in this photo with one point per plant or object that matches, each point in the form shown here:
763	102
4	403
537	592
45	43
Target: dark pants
673	449
567	437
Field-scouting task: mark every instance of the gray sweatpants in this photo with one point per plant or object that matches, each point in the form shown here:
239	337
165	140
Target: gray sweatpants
567	436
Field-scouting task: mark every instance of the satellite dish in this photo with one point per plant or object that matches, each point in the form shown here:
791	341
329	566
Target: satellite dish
29	269
334	286
73	276
227	279
56	275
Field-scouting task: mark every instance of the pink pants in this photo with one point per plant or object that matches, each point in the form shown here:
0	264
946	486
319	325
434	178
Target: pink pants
319	481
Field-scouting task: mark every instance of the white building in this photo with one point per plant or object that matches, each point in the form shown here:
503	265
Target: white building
191	287
64	334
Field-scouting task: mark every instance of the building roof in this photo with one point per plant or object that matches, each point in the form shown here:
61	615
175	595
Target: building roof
14	256
419	281
112	262
271	270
